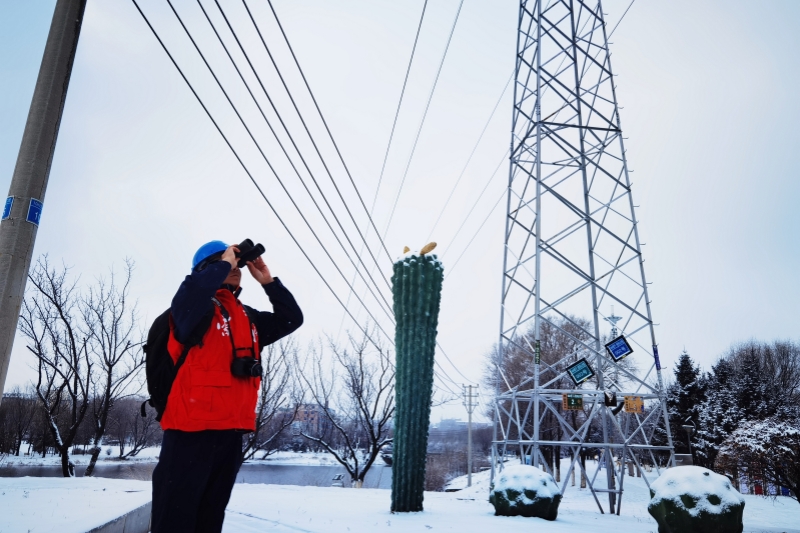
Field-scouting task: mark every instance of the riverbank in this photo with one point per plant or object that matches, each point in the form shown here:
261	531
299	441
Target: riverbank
319	475
110	455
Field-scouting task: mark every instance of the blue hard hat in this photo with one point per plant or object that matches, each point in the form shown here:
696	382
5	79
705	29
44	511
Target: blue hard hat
207	250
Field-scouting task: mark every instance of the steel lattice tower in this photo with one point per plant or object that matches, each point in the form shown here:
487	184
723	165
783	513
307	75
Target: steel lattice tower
572	252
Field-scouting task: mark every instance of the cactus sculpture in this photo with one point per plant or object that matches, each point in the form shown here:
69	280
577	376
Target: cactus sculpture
417	288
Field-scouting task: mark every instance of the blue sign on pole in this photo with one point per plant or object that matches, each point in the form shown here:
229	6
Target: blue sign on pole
7	208
619	348
655	355
34	211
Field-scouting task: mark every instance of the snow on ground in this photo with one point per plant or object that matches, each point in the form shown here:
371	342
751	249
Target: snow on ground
44	505
284	509
76	505
297	458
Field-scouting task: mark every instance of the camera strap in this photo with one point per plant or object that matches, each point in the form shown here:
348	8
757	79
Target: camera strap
227	317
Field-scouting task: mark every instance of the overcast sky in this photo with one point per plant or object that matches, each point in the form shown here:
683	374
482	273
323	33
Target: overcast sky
708	91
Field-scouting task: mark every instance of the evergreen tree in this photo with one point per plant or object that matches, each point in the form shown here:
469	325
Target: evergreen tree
684	397
755	398
719	414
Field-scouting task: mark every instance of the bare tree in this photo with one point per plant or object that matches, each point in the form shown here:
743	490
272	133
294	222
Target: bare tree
87	349
355	398
564	340
51	322
128	429
17	412
277	392
110	323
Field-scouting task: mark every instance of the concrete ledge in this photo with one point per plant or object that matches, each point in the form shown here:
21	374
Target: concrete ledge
136	521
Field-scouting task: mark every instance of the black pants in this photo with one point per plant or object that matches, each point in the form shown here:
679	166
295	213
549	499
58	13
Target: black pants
193	479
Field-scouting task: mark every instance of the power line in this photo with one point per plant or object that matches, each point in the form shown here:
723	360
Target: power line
394	124
285	152
476	232
258	146
422	122
288	157
399	104
469	159
441	369
387	311
620	19
324	123
424	115
305	126
475	204
275	212
250	175
451	363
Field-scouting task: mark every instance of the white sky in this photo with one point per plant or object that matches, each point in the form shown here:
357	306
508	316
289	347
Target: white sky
709	108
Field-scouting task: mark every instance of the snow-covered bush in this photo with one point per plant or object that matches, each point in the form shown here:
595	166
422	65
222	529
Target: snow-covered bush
769	449
692	499
523	490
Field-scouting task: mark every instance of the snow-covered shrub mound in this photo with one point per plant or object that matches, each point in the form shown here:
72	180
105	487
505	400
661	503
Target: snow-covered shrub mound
692	499
523	490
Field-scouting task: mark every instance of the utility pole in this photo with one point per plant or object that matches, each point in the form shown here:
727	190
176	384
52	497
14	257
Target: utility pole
470	402
23	207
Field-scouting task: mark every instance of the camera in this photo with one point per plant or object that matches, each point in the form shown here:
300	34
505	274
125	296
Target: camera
246	367
248	252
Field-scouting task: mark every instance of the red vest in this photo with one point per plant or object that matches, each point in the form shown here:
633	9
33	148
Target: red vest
205	395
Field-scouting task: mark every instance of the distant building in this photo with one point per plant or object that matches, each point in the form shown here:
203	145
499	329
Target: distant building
450	432
310	418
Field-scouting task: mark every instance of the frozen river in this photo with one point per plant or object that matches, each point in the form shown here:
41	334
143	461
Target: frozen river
379	476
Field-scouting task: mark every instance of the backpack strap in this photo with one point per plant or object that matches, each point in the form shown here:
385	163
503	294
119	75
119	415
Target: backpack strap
195	339
182	358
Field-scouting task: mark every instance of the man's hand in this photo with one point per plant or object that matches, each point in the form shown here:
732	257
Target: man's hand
259	270
229	255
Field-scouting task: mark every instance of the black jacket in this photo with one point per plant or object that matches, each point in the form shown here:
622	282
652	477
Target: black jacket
193	302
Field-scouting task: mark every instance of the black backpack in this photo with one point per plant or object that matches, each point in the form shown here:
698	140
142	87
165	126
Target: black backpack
159	367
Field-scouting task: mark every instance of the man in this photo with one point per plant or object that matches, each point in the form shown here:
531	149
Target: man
213	399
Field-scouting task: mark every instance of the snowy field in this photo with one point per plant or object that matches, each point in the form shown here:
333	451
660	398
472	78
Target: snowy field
328	510
40	505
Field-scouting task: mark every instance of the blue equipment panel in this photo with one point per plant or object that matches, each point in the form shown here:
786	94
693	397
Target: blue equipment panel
619	348
580	371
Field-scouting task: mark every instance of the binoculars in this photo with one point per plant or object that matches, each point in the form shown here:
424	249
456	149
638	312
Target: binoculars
248	252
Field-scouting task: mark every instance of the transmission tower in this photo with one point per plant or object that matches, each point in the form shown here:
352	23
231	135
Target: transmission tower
572	251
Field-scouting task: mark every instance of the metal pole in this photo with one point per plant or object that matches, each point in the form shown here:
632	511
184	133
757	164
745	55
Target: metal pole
23	206
496	419
468	397
583	127
469	440
537	324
